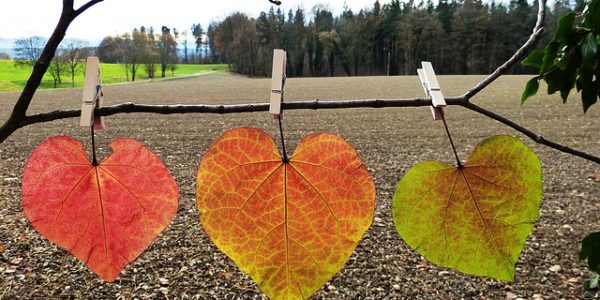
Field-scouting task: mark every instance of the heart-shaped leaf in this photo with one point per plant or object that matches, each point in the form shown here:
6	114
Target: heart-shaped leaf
105	215
290	225
475	218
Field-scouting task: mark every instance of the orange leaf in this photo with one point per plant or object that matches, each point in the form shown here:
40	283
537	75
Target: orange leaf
293	225
105	215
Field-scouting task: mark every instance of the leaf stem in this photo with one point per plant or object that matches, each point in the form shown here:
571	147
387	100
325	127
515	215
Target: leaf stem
94	160
458	163
285	157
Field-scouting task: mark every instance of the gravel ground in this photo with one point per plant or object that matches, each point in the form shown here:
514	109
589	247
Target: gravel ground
183	263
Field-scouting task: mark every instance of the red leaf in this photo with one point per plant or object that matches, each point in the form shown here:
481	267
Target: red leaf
105	215
290	226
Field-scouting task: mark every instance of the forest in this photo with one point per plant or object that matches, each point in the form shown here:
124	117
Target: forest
458	37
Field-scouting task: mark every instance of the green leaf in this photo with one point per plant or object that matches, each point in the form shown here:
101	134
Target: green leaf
564	93
473	218
556	80
550	54
531	88
565	27
588	97
589	48
594	280
591	286
534	59
590	250
592	15
589	93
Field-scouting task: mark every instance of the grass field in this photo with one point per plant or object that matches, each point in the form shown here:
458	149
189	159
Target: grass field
13	78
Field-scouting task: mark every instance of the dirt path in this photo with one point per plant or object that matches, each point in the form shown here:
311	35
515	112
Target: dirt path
183	263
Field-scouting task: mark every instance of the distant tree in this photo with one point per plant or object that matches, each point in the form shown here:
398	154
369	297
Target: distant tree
421	35
392	15
167	49
330	41
185	47
173	66
349	41
271	35
4	56
198	34
73	52
57	68
150	54
236	41
298	38
111	49
469	29
28	50
134	54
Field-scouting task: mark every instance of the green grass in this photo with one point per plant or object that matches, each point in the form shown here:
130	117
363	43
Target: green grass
13	78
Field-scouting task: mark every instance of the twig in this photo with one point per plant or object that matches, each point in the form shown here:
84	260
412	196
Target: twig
534	38
529	133
86	6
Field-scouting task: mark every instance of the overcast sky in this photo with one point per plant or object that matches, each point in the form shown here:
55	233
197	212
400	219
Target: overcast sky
23	18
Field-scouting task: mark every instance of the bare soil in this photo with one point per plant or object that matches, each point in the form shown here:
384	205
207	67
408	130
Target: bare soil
183	263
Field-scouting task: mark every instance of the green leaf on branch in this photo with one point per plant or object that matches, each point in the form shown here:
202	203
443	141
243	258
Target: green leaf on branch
589	95
592	21
565	28
531	88
473	218
590	250
534	59
589	48
571	59
550	54
556	80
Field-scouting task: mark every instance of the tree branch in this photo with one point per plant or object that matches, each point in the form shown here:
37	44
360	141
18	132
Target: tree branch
86	6
303	105
534	38
529	133
19	111
275	2
129	107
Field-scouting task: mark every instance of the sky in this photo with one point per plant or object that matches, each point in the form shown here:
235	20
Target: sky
24	18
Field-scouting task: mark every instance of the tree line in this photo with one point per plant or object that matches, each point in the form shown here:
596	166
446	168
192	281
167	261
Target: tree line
459	37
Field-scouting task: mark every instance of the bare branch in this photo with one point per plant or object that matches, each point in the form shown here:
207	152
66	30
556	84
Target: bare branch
130	107
534	38
19	111
529	133
302	105
86	6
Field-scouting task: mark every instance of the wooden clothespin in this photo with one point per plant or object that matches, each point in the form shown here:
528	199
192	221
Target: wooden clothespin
92	95
432	89
277	83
